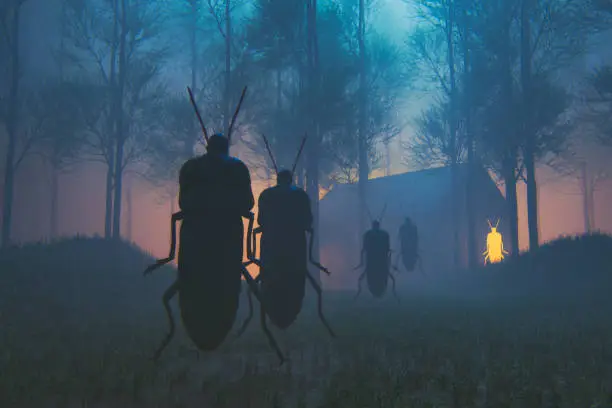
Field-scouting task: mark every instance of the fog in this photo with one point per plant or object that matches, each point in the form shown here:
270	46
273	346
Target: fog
145	220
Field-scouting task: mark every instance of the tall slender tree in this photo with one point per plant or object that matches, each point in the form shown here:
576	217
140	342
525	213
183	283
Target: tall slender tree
10	20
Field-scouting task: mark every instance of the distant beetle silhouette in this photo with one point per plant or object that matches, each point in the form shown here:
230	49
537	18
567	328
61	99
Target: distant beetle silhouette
377	251
495	245
283	271
409	246
209	300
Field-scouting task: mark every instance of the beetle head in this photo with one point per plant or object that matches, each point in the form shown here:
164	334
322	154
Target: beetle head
284	178
218	144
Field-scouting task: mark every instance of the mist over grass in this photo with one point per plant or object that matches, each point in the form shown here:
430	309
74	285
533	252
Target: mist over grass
80	323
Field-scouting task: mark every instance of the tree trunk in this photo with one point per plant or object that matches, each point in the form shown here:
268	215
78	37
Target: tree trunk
453	135
387	158
469	202
193	47
364	165
11	124
313	192
591	202
279	85
529	151
53	233
119	124
118	196
129	209
312	164
193	44
585	199
108	209
228	49
512	203
510	149
279	89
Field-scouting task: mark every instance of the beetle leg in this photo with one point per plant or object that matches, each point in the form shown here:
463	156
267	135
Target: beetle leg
359	281
168	295
160	262
253	288
271	339
317	288
310	255
254	243
250	315
393	286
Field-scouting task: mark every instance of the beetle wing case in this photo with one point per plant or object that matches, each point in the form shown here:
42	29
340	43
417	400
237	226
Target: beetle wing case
283	296
283	276
209	291
377	273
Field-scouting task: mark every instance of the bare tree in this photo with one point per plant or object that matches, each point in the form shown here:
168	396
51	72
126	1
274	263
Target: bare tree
585	160
10	23
434	45
117	42
599	103
60	139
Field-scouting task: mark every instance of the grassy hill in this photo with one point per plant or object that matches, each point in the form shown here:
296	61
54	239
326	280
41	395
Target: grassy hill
571	257
79	278
568	267
79	323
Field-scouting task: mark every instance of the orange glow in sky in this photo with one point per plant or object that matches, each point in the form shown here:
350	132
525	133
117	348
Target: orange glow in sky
82	199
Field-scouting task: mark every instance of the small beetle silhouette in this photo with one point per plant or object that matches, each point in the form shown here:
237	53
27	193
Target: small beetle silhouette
495	245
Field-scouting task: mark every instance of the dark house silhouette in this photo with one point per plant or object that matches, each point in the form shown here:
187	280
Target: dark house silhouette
425	196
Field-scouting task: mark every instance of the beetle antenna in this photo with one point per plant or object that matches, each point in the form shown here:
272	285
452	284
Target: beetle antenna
231	126
270	153
297	158
489	222
497	223
197	111
382	214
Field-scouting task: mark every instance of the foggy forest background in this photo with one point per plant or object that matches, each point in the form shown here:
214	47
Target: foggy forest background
95	120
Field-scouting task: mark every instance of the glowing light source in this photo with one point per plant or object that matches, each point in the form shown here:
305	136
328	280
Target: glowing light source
495	245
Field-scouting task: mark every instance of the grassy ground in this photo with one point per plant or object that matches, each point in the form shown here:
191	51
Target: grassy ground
63	343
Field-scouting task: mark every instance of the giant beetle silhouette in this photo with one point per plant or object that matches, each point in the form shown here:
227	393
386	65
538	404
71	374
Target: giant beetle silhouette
208	304
377	251
283	271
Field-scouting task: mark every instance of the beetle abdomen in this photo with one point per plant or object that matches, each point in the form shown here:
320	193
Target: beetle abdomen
409	258
210	268
377	274
283	295
377	281
209	306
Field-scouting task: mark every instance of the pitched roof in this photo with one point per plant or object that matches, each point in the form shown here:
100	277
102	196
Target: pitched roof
426	186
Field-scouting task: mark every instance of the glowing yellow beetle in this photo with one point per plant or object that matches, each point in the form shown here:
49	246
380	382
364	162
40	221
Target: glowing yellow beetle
495	245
